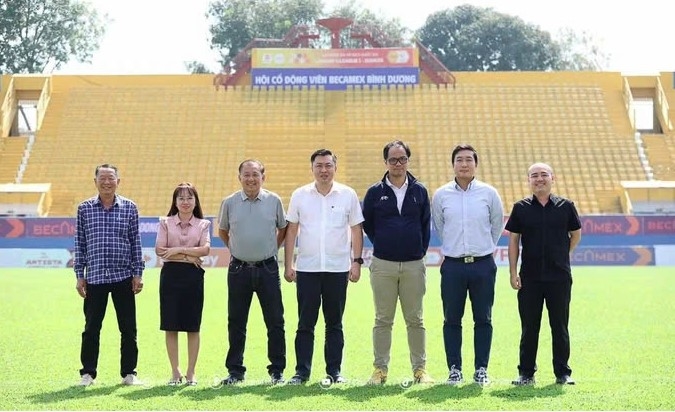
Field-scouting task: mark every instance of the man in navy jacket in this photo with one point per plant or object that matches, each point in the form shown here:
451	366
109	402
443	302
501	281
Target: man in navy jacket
397	215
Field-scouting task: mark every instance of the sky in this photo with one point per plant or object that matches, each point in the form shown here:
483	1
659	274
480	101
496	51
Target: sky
159	36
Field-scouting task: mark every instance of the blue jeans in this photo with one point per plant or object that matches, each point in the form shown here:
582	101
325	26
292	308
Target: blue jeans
327	290
478	278
242	281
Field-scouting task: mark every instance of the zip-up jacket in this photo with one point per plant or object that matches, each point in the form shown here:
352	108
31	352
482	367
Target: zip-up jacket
398	237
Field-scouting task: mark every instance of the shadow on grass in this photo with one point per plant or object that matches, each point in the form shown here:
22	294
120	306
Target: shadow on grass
287	392
72	392
439	393
152	392
520	393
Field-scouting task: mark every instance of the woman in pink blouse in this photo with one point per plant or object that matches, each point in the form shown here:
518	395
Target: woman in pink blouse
182	239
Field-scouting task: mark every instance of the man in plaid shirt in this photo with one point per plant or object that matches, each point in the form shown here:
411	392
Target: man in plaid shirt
108	260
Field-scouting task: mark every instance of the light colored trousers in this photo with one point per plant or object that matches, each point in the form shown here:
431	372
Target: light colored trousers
391	282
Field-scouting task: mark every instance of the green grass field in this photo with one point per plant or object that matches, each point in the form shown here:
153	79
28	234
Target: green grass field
622	331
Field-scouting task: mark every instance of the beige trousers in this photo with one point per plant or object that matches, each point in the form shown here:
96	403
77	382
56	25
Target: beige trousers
391	282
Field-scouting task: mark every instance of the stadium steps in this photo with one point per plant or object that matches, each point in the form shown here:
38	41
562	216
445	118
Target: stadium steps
11	153
660	151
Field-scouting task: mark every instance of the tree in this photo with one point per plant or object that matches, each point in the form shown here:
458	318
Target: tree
386	32
234	23
470	38
195	67
580	51
40	36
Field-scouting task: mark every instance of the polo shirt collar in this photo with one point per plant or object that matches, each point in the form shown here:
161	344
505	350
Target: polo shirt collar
245	198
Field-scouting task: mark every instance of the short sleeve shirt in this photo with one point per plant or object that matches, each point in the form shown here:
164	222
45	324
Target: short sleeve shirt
544	237
324	227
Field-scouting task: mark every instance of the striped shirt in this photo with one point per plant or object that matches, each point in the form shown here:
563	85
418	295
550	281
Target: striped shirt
107	241
469	222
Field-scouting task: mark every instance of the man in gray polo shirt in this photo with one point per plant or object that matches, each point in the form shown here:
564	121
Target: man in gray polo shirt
253	226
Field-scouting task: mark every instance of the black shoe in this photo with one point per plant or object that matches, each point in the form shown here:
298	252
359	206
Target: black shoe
297	380
523	381
277	378
564	380
232	380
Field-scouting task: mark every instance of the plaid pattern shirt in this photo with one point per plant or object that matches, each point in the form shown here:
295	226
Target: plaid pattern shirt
107	242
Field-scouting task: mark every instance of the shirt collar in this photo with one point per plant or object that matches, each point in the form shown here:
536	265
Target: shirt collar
388	182
458	187
115	202
334	188
175	220
245	198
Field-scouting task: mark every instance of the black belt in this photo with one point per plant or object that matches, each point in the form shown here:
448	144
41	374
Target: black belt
256	264
468	259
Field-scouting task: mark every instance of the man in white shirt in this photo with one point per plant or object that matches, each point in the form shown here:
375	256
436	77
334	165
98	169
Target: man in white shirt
469	218
326	217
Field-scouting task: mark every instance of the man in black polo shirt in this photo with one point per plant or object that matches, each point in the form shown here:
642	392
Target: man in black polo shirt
549	229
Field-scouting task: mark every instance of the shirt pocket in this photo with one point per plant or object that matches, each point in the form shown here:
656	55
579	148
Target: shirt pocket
337	217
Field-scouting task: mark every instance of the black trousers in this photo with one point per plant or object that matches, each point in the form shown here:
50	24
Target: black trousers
94	311
531	299
242	281
327	290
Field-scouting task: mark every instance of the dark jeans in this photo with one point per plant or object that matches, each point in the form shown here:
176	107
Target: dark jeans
531	298
94	311
478	279
242	281
327	290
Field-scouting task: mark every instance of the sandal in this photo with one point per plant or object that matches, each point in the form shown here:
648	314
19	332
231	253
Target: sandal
189	382
175	382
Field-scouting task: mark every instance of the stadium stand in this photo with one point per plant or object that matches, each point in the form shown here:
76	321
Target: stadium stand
161	130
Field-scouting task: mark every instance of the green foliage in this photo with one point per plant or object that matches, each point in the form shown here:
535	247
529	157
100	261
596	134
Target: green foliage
620	332
40	36
470	38
386	32
234	23
195	67
580	51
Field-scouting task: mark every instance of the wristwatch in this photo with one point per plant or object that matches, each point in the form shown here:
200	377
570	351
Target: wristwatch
358	260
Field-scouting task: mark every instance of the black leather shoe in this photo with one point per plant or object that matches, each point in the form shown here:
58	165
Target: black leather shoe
564	380
522	380
297	380
232	380
277	378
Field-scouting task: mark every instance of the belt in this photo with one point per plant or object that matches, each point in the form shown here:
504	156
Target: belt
259	263
467	259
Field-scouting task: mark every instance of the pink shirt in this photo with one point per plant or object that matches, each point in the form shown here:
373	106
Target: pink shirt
173	233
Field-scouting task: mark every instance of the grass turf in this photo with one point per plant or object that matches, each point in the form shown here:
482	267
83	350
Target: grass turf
623	352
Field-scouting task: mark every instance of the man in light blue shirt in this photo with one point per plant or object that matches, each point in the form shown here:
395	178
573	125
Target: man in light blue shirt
469	218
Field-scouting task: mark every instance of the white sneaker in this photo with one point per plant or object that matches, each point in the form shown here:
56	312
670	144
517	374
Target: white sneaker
86	380
131	380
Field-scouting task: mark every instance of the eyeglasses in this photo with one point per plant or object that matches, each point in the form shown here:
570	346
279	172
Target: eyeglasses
393	160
